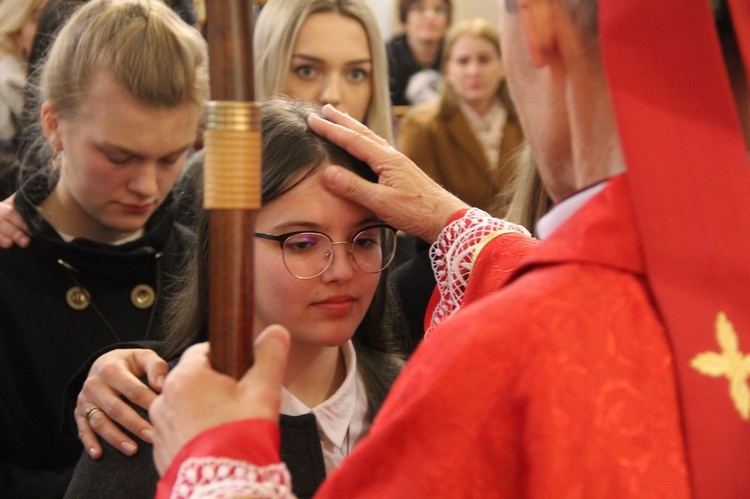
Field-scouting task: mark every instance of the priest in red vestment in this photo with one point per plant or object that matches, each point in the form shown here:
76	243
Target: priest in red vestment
612	360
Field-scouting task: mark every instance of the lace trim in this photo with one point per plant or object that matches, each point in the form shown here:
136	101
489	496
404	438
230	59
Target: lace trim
215	477
454	253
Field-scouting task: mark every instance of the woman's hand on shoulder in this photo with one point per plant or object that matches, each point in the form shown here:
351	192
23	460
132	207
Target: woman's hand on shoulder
13	229
100	407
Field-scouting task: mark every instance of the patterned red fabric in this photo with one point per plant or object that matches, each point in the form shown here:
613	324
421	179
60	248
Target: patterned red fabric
689	172
496	263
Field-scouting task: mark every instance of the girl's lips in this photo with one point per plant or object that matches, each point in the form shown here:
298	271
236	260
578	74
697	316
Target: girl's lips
336	299
137	208
338	305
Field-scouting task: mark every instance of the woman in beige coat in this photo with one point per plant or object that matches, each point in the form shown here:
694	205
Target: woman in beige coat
466	138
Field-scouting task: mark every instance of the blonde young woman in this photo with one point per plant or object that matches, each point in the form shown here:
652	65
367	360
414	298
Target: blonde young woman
327	52
464	139
105	242
18	20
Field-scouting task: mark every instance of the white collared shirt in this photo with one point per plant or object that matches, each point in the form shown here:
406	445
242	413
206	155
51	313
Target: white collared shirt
341	418
565	209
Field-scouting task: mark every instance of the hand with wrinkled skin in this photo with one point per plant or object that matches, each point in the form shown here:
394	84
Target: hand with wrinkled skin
404	197
197	398
13	229
115	374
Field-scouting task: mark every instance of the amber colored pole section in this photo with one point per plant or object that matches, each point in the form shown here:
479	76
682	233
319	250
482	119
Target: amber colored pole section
232	177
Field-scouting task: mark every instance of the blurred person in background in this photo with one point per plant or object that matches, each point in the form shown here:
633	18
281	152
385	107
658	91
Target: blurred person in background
18	21
465	138
414	57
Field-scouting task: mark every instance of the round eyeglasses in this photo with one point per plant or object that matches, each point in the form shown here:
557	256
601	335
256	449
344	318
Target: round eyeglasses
307	254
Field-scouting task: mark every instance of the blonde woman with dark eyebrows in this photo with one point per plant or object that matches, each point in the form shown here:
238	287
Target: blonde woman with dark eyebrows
105	241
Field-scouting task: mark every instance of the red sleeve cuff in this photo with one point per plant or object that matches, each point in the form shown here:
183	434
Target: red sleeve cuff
254	441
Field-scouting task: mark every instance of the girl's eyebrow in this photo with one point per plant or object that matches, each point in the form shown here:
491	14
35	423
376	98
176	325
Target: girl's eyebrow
292	225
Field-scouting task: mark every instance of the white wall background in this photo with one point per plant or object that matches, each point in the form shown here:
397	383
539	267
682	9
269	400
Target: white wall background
385	11
488	9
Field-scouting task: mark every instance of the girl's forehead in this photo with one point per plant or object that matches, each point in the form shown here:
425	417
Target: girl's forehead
323	32
309	200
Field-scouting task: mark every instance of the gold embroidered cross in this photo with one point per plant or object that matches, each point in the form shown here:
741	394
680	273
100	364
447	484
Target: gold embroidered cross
730	363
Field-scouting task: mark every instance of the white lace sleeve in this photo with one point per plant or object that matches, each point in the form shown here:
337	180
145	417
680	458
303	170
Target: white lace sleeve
453	256
215	477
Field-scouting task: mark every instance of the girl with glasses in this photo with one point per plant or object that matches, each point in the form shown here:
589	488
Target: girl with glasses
319	265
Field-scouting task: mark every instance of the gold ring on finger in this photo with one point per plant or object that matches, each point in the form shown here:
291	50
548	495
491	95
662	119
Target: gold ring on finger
91	411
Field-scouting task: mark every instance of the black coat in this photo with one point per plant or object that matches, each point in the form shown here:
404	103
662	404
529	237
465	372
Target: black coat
44	340
401	67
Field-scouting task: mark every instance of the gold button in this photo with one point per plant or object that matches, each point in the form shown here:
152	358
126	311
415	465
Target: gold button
78	298
143	296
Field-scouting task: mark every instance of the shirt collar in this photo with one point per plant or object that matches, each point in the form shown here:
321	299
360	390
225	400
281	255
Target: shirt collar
334	415
565	209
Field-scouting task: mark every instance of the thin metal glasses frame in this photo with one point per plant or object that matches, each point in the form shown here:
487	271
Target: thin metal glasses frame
282	238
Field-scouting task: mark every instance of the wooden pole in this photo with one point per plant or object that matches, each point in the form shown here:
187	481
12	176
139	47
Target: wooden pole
232	182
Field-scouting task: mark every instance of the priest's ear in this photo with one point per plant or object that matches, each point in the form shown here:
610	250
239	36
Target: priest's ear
553	31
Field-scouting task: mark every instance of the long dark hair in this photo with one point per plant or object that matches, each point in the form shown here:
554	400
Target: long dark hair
289	147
